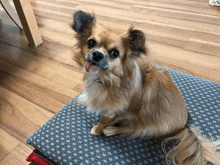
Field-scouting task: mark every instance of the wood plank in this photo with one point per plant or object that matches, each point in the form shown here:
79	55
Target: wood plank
201	65
194	25
57	7
54	14
40	65
204	47
19	116
49	88
7	143
34	93
189	6
181	15
18	155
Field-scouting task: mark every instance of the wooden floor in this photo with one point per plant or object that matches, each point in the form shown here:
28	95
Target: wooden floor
35	83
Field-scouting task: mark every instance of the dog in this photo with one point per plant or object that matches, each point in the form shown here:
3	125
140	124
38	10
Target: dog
133	97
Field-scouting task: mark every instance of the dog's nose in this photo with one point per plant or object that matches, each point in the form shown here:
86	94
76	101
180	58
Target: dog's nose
97	56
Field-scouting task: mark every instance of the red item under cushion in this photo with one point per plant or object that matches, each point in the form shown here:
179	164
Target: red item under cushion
37	159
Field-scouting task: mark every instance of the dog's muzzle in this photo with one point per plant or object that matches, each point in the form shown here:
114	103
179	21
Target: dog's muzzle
99	58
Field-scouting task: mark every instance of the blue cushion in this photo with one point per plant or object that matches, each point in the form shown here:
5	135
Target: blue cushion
66	138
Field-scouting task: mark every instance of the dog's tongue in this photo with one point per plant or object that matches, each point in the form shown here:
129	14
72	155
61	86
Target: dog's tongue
88	66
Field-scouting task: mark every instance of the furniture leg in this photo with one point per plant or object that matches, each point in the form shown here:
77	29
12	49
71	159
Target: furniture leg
9	10
28	21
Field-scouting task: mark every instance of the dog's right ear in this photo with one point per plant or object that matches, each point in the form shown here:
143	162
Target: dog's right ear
83	21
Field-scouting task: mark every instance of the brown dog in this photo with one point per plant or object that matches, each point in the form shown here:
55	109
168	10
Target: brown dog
133	97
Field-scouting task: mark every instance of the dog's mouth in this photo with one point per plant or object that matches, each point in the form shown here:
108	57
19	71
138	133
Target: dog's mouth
91	63
88	65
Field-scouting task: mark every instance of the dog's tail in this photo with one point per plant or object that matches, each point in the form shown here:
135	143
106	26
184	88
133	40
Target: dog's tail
192	149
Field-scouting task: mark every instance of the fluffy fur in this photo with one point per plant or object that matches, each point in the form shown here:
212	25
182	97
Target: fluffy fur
133	97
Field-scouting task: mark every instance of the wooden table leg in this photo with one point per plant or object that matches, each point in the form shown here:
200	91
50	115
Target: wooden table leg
9	10
28	21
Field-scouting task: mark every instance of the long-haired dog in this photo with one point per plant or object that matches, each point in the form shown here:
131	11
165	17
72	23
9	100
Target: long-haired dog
133	97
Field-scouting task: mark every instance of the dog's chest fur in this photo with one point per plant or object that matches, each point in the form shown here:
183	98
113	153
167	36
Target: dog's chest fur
105	93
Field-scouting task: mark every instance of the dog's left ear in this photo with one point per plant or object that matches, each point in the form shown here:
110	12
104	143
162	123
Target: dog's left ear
137	40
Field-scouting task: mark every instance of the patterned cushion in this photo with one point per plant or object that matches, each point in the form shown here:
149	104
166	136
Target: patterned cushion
66	138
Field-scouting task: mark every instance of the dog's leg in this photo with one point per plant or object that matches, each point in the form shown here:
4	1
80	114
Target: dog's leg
103	123
82	99
112	130
135	130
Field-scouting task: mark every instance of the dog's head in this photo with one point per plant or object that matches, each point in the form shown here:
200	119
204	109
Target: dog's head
105	49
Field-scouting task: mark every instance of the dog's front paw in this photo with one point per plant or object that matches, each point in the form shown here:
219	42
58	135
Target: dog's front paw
82	99
110	131
95	131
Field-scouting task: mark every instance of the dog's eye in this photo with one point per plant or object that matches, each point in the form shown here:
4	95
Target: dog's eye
114	53
91	43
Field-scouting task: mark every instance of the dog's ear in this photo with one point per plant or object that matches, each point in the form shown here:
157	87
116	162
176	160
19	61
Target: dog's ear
82	21
137	40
